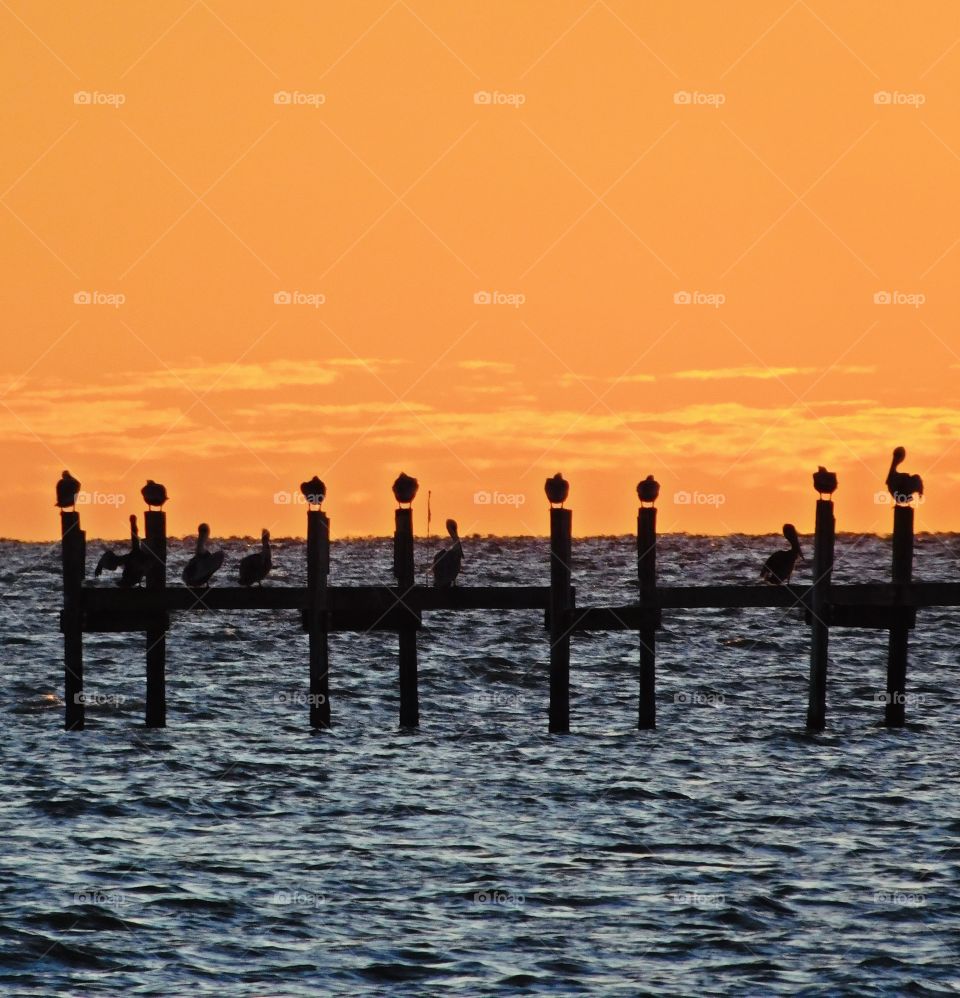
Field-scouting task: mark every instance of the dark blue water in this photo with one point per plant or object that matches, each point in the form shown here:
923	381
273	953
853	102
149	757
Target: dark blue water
728	852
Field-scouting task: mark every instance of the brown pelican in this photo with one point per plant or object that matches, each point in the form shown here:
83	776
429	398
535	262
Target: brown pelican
557	489
825	482
902	486
154	494
778	568
255	567
405	488
133	562
67	489
201	567
447	561
314	491
648	490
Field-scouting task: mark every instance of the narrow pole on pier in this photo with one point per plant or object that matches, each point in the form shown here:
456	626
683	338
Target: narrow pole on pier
73	545
895	708
407	636
318	570
647	578
823	545
155	528
561	527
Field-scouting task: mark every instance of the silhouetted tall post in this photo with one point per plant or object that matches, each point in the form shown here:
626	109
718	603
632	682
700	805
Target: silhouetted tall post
647	578
561	528
823	545
155	529
318	571
73	555
404	570
895	711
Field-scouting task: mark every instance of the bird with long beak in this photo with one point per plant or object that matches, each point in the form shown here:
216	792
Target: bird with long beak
778	568
902	487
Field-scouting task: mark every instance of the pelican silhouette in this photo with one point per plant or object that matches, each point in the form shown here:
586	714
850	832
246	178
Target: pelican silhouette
133	562
255	567
67	489
314	491
201	567
154	494
902	486
825	482
557	489
447	561
405	488
648	490
778	568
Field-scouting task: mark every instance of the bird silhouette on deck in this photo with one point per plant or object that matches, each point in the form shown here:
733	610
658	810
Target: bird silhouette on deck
67	490
154	494
557	490
314	492
902	487
133	562
825	482
648	490
447	561
204	564
254	568
778	568
405	489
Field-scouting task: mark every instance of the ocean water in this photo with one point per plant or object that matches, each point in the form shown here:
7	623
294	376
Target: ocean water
237	853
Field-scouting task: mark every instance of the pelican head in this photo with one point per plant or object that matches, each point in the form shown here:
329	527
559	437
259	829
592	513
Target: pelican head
204	530
790	533
265	535
899	456
452	528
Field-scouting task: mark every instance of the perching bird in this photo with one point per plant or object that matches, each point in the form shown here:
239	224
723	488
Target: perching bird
201	567
447	561
902	486
778	568
154	494
557	489
255	567
133	562
648	490
825	482
314	491
67	489
405	488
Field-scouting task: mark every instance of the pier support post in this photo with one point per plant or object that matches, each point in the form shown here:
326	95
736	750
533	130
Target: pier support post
895	707
647	578
561	528
318	570
407	636
823	545
155	529
73	545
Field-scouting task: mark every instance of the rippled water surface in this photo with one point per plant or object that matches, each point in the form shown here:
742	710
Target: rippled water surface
727	852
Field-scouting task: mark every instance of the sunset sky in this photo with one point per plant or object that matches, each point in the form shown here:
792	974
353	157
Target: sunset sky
722	243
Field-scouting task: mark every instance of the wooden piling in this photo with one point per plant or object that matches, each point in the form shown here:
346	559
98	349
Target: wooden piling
902	572
561	528
407	636
647	579
155	531
318	571
73	556
823	548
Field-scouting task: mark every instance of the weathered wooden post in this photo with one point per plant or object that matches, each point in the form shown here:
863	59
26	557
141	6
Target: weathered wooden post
318	571
895	708
407	636
73	544
155	530
647	578
823	546
561	529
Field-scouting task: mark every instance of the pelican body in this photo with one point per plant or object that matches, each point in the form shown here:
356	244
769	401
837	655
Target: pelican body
447	561
778	568
825	482
405	489
557	489
67	489
648	490
200	569
314	491
254	568
902	487
154	494
133	562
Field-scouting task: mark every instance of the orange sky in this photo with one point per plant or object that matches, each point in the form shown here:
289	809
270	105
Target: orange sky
776	180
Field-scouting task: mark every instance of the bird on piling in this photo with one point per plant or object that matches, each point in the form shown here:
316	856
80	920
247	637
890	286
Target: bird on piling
154	494
201	567
648	490
557	489
778	568
405	488
825	482
133	562
447	561
902	486
314	492
67	489
255	567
